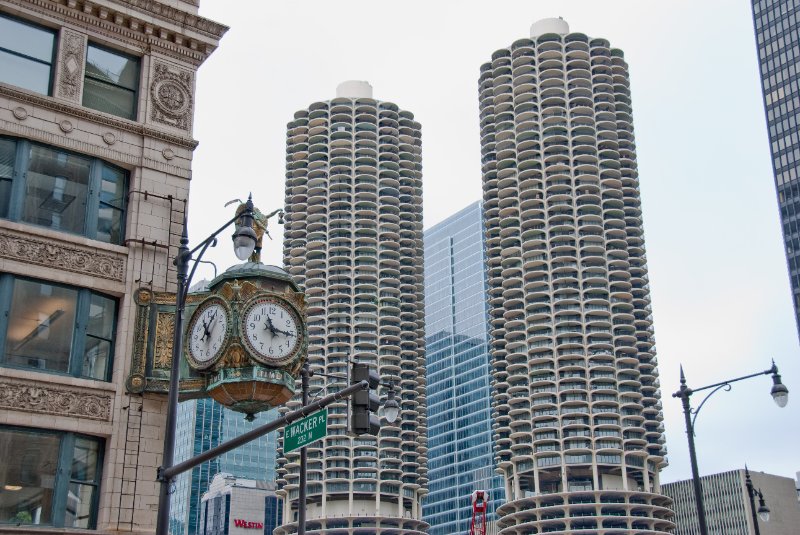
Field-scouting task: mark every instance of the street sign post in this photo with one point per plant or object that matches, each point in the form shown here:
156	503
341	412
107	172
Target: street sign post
303	432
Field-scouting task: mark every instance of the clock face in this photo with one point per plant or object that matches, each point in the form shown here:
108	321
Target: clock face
272	330
207	333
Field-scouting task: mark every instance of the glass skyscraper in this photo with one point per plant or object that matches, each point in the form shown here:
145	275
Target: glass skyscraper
460	458
202	425
778	42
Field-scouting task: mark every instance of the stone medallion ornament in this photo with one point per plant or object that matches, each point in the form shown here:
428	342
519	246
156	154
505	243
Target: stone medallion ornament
171	96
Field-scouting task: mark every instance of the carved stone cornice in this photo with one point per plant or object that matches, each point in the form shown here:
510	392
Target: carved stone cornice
63	256
160	25
58	400
95	117
171	14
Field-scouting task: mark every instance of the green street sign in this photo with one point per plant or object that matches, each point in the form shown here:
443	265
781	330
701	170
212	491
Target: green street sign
304	432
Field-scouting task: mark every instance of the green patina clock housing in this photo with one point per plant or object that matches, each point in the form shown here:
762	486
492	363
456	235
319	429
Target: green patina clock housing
236	375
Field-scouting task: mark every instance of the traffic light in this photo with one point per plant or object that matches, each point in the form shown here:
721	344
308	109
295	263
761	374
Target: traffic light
364	403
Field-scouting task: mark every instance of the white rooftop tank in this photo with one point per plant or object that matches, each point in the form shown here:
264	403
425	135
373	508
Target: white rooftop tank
354	89
553	25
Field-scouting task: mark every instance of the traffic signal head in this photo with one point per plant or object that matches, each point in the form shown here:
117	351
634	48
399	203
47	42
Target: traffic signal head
365	403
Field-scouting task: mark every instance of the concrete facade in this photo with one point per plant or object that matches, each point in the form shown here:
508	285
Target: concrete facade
170	41
353	242
577	410
728	505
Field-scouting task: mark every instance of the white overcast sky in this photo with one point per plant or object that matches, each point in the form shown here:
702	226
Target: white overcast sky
720	287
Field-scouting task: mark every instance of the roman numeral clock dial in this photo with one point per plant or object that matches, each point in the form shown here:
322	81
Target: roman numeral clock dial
272	330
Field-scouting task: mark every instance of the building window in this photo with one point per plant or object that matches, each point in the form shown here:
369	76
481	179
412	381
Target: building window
56	329
54	479
53	188
26	55
111	82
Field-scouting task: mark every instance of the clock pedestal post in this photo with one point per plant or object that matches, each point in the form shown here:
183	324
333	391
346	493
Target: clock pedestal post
168	457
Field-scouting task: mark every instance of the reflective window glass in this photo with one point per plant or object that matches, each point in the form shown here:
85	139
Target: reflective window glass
26	55
63	191
28	483
111	81
110	217
8	149
35	489
99	337
40	326
54	328
57	189
83	483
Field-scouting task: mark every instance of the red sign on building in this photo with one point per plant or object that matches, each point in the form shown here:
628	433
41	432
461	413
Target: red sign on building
239	523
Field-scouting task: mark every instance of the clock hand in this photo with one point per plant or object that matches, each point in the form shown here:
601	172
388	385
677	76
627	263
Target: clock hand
213	322
206	332
270	326
284	332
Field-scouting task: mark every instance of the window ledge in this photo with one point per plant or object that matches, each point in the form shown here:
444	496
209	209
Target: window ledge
56	379
61	237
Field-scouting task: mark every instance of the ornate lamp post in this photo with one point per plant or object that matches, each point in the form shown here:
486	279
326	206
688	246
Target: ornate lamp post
779	393
244	242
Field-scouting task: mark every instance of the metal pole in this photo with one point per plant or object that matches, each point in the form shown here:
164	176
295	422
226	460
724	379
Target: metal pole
301	508
684	394
168	457
234	443
752	494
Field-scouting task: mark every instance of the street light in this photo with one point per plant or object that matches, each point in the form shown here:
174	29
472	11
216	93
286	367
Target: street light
391	409
763	510
244	242
779	393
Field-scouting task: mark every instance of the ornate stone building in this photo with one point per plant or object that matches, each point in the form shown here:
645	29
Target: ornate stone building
96	107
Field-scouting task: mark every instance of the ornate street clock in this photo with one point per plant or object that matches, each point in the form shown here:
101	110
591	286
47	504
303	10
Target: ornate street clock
244	343
209	333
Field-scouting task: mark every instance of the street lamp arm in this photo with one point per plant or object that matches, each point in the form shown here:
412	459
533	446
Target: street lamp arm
185	255
249	210
772	370
205	245
726	386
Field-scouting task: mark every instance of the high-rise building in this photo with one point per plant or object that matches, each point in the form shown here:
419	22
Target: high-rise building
204	424
97	101
577	410
239	505
727	504
353	242
777	29
458	374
